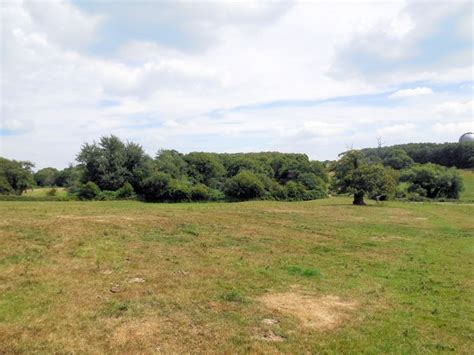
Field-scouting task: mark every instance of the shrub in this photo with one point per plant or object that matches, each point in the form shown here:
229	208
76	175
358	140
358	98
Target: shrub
311	181
177	191
216	195
204	168
154	187
88	191
433	181
126	191
52	192
278	191
5	188
294	191
199	192
314	194
244	185
15	176
46	177
397	159
107	195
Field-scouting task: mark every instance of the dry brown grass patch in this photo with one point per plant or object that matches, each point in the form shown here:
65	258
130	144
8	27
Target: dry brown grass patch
320	313
144	333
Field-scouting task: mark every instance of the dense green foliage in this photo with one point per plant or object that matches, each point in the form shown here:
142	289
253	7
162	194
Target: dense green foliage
69	176
172	176
88	191
432	181
460	155
111	163
126	191
244	185
352	174
111	169
15	176
46	177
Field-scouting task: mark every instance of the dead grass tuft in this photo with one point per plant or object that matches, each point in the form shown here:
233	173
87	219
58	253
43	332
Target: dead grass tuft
320	313
138	332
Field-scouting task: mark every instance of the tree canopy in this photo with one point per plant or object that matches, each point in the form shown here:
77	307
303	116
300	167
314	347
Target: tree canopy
352	174
460	155
433	181
111	169
15	176
173	176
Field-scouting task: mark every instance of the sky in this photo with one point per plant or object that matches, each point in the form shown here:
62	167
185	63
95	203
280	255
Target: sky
310	77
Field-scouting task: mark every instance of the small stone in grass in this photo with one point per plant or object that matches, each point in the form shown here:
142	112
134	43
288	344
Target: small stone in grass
137	280
270	336
115	289
269	321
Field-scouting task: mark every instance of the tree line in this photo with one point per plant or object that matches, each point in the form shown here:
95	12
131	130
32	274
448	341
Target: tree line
459	155
113	169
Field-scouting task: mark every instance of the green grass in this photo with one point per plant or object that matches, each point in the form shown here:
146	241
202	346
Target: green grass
43	191
202	270
468	179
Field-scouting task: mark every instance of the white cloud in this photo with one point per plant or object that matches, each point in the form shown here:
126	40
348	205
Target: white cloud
415	38
454	128
62	22
454	108
15	124
167	94
397	130
404	93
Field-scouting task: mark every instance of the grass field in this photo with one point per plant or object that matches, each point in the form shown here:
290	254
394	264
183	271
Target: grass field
43	191
319	276
468	180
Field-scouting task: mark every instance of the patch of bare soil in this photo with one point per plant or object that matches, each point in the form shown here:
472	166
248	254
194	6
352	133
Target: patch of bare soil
320	313
271	336
269	321
136	332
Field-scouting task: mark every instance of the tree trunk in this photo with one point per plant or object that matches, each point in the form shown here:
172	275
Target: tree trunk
359	199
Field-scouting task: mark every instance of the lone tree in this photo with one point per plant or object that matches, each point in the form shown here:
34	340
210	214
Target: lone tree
354	175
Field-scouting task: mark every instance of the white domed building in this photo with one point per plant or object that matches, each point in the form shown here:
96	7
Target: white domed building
466	137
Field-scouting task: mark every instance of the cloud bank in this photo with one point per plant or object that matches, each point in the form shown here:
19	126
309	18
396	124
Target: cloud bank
312	77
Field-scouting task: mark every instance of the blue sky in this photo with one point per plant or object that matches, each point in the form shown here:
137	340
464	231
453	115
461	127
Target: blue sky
312	77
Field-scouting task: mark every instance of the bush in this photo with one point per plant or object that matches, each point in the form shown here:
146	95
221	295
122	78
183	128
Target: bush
52	192
15	176
125	192
107	195
433	181
216	195
177	191
199	192
294	191
397	159
46	177
314	194
88	191
244	185
5	188
311	181
278	191
154	187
